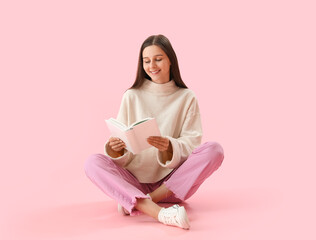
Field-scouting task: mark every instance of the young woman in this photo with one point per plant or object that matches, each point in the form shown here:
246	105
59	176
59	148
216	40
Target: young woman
176	164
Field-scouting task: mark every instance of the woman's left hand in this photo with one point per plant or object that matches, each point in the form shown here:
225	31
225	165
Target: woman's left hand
162	143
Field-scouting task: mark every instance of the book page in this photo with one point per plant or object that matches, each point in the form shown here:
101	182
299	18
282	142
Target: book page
135	137
139	122
117	124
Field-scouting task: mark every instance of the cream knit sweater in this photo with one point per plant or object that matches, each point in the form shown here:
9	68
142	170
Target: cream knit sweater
177	113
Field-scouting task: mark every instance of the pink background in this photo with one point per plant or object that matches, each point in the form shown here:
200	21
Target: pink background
64	66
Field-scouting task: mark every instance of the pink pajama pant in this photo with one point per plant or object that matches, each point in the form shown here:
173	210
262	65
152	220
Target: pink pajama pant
122	186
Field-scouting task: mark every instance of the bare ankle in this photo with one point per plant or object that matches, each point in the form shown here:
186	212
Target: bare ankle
148	207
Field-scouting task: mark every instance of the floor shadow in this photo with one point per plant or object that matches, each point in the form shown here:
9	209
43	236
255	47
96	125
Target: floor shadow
69	220
215	201
86	218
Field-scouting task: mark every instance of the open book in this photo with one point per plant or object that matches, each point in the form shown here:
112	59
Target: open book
135	136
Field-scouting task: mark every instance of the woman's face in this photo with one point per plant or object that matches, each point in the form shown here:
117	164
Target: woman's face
156	64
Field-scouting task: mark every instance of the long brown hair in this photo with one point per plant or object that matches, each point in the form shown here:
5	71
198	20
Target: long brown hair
164	43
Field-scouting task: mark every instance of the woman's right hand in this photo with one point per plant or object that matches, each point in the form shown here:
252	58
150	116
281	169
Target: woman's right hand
116	144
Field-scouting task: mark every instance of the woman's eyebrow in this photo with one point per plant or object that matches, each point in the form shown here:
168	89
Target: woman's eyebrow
154	56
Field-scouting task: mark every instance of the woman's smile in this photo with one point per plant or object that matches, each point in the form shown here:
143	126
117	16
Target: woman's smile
155	72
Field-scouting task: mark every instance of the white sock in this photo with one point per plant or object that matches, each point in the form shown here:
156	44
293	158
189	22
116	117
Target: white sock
149	196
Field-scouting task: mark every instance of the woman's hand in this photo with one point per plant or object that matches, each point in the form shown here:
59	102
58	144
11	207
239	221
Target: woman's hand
116	147
162	143
164	146
116	144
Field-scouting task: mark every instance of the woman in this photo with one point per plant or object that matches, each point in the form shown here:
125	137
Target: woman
174	168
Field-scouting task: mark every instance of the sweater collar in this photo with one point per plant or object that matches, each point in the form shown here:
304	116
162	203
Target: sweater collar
160	89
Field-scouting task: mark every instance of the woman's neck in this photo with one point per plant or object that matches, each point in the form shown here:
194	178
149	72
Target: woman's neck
160	88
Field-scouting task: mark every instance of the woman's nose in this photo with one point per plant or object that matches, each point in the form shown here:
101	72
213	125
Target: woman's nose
152	64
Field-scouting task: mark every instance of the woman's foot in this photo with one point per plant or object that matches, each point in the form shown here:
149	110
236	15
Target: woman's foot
174	216
122	210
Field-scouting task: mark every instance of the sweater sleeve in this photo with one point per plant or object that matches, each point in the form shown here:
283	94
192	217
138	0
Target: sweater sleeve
190	137
122	116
